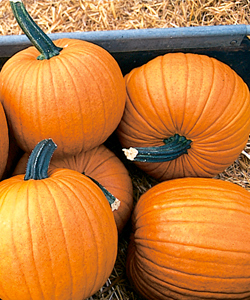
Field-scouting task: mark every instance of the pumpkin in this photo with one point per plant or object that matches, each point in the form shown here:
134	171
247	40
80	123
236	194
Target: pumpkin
186	115
191	240
58	234
102	165
4	140
60	93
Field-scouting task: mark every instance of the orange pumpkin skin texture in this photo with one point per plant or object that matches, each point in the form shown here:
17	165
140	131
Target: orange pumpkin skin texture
104	166
191	240
4	140
77	98
58	237
192	95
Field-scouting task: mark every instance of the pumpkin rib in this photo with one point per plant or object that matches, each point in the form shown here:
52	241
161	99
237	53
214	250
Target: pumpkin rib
90	190
107	67
209	95
181	290
65	182
14	249
167	106
57	106
98	254
44	232
231	100
93	233
88	98
144	286
195	246
189	132
171	255
185	95
150	101
176	272
215	188
140	114
199	161
173	287
64	64
101	163
99	85
128	115
237	113
62	227
194	167
206	102
14	78
37	275
229	124
187	58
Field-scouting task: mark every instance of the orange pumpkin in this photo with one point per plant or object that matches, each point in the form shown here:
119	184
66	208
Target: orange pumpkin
191	240
102	165
58	234
187	115
74	92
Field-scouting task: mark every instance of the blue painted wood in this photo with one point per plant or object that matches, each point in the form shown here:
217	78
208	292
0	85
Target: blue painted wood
135	40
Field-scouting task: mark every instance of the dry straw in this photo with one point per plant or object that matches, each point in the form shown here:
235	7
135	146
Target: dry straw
73	15
80	15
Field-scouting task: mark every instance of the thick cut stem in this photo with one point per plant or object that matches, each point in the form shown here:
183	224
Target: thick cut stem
37	37
174	147
113	201
38	163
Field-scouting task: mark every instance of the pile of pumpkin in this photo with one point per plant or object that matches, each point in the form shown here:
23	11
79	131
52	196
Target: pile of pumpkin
182	118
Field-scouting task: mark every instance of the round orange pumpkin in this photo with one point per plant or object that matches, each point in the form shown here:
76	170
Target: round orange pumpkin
76	95
191	240
194	107
105	167
58	234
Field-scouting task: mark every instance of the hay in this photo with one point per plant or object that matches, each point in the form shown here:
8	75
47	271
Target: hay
79	15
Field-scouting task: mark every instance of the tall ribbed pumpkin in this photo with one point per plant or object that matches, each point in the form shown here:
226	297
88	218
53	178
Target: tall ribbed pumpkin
102	165
73	92
58	234
191	240
193	106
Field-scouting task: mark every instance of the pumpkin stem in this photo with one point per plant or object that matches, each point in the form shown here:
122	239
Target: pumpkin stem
34	33
174	147
113	201
38	163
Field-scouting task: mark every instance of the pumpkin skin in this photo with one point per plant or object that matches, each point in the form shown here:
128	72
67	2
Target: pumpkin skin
4	140
102	165
61	97
58	238
191	240
192	95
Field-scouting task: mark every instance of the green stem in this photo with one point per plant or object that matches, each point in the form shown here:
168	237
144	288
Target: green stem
174	147
113	201
37	37
38	163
